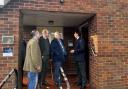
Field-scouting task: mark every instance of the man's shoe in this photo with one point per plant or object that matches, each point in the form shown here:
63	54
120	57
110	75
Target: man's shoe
40	86
46	83
79	84
56	84
83	87
60	87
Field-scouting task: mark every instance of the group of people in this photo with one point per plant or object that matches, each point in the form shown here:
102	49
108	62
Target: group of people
40	51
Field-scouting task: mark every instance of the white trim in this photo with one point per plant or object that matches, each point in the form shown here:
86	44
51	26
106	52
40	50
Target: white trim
3	3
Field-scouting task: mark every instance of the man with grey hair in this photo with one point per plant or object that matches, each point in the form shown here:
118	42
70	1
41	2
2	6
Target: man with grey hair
33	61
58	54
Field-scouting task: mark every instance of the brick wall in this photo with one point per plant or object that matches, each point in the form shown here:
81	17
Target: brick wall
93	64
109	70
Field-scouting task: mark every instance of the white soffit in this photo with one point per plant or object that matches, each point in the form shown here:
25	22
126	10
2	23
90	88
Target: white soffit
3	3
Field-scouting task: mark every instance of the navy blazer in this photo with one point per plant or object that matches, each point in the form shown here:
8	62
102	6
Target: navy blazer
56	51
79	54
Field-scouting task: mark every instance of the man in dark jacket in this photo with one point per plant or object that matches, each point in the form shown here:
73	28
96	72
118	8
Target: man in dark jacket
45	53
58	53
79	57
23	51
22	59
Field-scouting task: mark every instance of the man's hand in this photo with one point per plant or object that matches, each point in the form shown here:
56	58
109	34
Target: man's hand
50	60
38	68
72	51
42	56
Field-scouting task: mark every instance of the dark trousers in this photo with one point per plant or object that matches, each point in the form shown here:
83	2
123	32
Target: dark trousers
57	73
43	73
81	72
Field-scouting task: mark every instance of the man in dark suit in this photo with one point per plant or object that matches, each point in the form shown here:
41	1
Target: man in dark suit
79	57
58	53
23	51
23	45
45	53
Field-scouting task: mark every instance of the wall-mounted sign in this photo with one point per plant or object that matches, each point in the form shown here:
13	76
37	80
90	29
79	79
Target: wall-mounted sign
70	43
7	39
7	52
95	42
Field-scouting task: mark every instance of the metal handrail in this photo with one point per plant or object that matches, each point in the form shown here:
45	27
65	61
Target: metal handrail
65	79
7	77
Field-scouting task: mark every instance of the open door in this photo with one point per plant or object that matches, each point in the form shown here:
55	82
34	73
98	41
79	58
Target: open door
85	35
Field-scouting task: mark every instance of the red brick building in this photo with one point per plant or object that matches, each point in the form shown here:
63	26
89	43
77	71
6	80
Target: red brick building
107	19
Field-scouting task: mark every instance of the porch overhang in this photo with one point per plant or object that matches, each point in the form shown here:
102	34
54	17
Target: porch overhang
54	19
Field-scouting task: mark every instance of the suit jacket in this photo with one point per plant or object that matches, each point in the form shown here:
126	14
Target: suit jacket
57	53
79	54
33	56
44	46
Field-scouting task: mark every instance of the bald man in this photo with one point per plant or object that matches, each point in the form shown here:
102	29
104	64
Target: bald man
58	54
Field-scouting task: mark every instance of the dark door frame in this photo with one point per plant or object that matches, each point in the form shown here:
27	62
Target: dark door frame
19	55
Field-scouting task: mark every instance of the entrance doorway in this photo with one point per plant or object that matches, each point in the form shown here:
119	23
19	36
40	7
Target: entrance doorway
84	32
66	23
